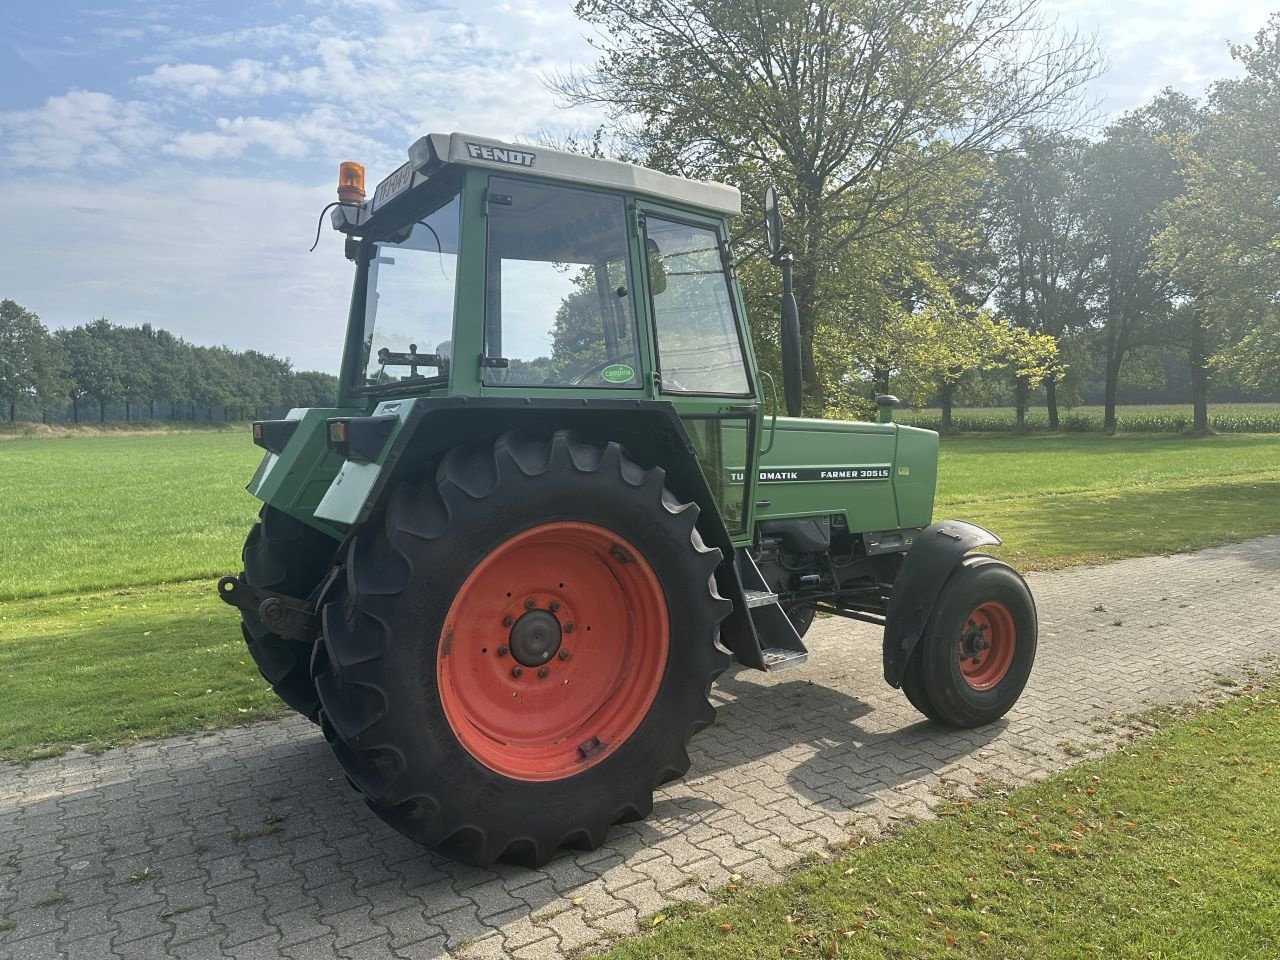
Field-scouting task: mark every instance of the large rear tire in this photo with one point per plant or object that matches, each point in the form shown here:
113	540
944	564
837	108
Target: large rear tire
977	652
284	555
521	649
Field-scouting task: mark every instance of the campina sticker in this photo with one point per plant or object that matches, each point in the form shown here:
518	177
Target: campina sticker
617	373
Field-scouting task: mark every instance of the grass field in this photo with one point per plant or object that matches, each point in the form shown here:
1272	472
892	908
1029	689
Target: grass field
1166	849
89	513
1134	418
110	630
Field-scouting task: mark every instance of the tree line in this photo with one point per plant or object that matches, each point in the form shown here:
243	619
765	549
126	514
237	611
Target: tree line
960	236
82	371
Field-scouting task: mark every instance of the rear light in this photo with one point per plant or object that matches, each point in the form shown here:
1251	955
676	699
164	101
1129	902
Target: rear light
360	438
274	435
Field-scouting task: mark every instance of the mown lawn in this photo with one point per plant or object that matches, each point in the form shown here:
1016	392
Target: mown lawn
102	669
110	630
1166	849
89	513
1063	500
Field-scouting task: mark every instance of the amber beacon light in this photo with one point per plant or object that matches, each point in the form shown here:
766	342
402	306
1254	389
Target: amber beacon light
351	182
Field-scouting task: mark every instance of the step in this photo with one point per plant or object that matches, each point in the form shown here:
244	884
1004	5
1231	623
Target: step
759	598
778	658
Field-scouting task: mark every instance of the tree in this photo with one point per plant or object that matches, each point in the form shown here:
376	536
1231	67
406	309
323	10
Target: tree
1132	175
311	388
136	351
1044	249
1221	239
94	365
27	361
853	108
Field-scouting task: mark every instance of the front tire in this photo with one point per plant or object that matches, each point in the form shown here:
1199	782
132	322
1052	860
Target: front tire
976	654
521	649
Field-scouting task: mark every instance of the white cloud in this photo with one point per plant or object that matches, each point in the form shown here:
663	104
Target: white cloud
328	88
1153	44
79	127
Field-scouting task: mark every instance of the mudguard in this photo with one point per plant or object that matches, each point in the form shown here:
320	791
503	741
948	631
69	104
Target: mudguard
650	430
937	551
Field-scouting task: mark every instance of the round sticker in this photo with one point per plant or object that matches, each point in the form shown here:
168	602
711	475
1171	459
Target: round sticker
617	373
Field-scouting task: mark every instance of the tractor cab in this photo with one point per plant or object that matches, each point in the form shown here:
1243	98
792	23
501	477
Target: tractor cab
488	270
542	271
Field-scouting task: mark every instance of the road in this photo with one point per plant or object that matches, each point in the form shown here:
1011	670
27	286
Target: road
248	843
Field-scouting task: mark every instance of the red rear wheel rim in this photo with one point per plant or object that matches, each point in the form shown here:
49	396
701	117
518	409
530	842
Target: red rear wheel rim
579	615
986	645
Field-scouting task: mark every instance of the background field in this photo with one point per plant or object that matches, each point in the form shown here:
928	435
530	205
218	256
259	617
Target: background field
109	627
1145	418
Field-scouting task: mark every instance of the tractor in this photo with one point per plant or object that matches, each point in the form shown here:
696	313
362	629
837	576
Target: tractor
556	498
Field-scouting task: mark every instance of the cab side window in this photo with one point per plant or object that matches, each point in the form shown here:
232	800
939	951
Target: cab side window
699	350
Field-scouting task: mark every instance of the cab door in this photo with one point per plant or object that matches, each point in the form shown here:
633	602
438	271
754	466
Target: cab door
701	353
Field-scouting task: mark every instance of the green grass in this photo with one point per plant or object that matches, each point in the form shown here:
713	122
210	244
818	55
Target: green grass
104	669
1134	418
110	630
91	513
1061	500
1166	849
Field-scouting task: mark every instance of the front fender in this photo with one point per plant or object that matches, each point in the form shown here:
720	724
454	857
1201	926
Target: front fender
937	551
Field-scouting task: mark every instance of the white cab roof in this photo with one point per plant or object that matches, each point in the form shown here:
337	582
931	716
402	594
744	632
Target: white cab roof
469	150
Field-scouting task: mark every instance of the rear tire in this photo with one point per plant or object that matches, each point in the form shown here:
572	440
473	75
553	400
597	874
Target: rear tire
284	555
977	652
424	710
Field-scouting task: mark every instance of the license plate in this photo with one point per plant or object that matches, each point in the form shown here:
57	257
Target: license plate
393	186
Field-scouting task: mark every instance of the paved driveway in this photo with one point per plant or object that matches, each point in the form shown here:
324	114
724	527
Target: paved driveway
248	843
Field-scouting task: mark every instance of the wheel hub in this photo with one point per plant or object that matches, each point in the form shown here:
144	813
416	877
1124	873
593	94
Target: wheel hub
535	638
986	645
552	651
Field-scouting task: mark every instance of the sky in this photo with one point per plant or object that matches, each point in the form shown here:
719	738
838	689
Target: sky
165	162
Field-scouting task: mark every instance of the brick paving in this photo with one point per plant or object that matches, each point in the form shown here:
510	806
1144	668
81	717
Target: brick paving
248	843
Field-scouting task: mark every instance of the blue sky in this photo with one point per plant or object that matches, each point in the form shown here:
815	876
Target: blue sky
165	162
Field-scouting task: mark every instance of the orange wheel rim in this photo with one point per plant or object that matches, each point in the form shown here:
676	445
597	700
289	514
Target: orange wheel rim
552	651
986	645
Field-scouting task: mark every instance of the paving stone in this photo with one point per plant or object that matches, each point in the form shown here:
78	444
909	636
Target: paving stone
795	762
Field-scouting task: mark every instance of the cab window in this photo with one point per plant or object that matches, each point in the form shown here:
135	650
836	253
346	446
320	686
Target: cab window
558	302
699	350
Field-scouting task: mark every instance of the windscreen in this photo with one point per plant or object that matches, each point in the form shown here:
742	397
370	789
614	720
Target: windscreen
409	310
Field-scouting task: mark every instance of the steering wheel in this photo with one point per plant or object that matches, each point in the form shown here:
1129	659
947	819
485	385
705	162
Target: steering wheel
599	368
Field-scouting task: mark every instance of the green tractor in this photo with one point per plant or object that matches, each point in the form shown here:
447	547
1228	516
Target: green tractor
556	498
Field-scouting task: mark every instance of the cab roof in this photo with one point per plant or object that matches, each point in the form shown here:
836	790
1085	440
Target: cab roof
470	150
433	153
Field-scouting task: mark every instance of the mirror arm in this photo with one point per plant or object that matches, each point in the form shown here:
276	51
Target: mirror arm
792	368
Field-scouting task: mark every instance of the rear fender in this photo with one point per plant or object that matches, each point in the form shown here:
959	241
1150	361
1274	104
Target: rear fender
649	430
934	556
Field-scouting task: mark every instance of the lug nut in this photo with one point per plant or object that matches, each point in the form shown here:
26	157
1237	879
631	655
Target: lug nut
502	650
542	673
530	604
517	671
555	604
507	621
568	627
564	654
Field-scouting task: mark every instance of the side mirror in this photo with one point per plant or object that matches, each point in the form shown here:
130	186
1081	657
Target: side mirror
657	271
772	221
